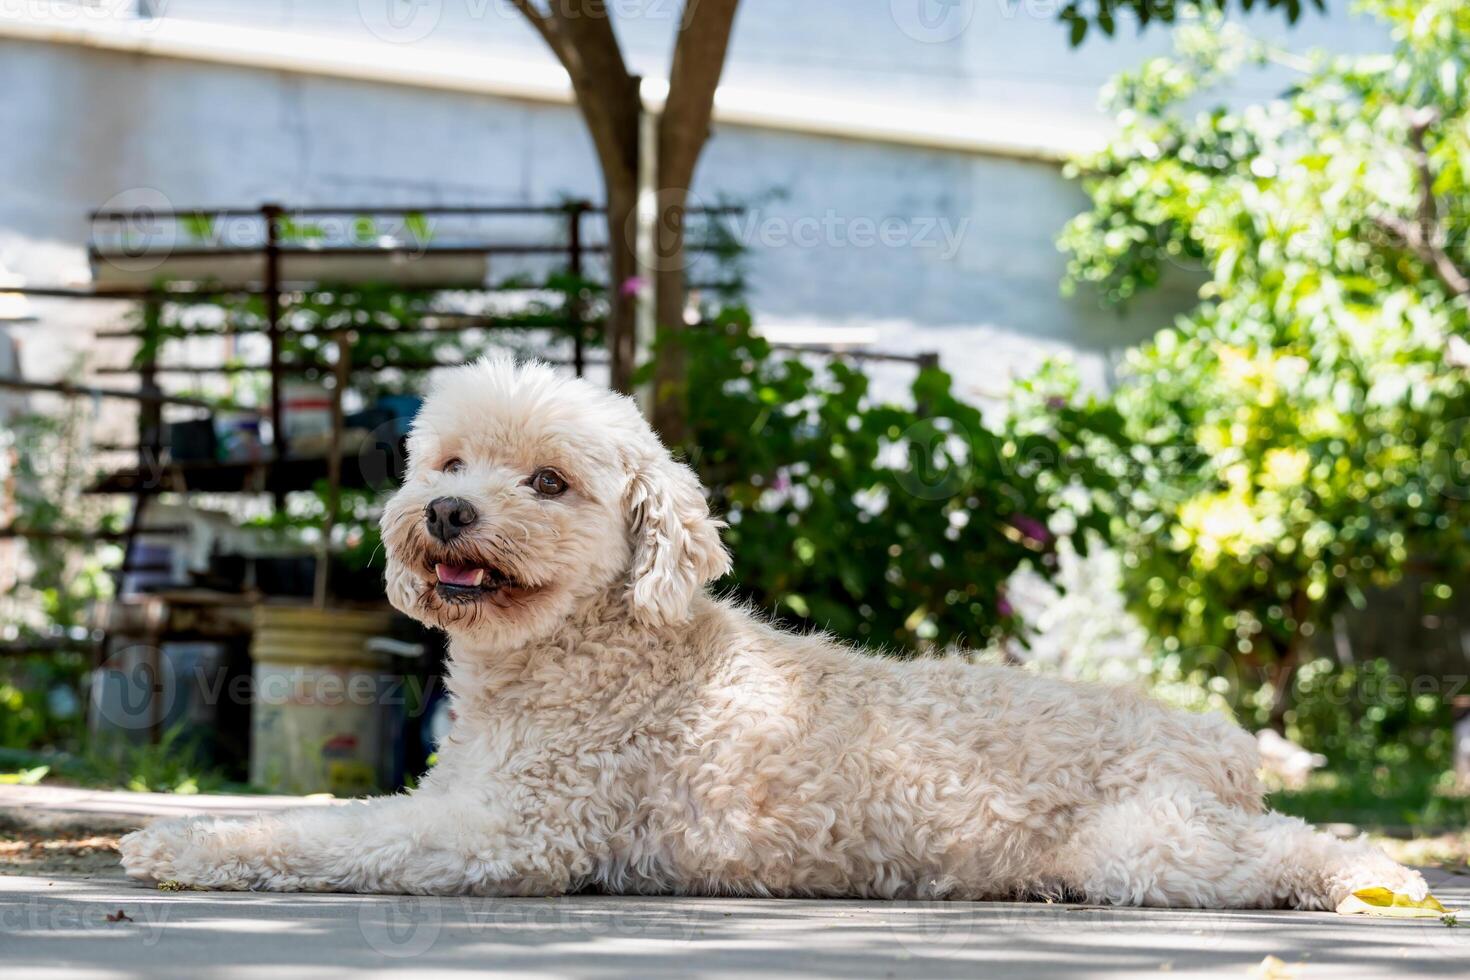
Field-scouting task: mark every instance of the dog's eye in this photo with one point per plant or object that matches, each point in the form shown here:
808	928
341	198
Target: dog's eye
548	483
452	465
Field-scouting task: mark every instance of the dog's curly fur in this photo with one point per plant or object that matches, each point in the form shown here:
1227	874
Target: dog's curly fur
617	728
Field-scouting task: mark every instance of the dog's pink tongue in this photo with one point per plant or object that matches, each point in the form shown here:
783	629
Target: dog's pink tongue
459	575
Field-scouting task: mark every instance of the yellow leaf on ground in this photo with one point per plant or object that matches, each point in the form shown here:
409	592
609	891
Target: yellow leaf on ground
1387	903
1272	968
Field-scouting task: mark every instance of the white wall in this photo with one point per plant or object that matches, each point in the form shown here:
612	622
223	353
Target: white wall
1011	54
971	269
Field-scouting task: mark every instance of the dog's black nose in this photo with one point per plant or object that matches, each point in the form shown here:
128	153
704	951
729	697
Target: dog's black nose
447	517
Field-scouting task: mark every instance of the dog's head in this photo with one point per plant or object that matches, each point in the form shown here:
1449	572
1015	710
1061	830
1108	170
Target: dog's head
528	493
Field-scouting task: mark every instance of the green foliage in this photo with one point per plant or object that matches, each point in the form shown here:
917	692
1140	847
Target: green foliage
170	765
1388	740
43	461
1368	716
1299	437
387	362
1081	15
32	689
891	525
1414	796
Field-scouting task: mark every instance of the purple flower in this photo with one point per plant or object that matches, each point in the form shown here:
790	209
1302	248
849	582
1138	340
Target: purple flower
633	285
1031	527
1003	605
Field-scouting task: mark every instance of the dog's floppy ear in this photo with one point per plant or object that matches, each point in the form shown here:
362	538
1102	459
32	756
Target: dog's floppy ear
676	543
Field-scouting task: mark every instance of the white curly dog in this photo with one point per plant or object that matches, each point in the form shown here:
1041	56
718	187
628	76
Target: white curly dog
619	729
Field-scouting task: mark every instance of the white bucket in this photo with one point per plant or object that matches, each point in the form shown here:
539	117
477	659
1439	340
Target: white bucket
317	722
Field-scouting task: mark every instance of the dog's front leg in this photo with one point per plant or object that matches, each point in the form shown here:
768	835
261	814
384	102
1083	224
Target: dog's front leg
425	844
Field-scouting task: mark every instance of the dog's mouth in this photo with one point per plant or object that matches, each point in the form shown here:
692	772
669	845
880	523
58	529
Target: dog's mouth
473	583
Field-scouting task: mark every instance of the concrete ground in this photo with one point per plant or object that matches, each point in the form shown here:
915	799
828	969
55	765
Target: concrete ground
51	805
102	925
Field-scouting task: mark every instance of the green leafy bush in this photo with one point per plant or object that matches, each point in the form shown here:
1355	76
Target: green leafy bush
1369	715
893	525
1298	438
1388	742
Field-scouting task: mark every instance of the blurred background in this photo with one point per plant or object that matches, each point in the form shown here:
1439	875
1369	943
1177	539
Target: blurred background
1120	339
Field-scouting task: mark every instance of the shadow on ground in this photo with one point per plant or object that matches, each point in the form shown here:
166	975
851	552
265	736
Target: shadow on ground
74	923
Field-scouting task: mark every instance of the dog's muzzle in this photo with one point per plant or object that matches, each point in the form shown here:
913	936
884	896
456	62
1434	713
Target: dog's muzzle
449	517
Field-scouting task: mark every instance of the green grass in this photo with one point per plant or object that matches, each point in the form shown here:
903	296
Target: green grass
1412	796
164	767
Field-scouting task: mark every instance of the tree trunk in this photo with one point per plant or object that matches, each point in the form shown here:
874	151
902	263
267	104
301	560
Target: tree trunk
1280	676
580	34
683	130
622	268
670	379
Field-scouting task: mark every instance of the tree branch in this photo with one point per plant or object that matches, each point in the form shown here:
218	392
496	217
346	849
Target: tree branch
699	59
543	26
580	34
1422	235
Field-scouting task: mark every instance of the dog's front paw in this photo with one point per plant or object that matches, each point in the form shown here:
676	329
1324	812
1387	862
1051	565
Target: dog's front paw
1376	870
149	854
186	852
